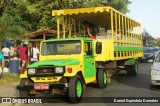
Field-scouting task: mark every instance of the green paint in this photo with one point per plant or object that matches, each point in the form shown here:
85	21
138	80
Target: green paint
67	39
79	89
89	66
61	62
130	62
127	48
105	78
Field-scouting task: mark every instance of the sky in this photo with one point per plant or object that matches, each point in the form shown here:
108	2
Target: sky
146	12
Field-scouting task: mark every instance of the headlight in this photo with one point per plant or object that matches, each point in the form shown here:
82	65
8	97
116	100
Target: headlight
59	70
155	72
31	71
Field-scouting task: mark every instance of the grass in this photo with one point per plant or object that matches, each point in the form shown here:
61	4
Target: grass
8	78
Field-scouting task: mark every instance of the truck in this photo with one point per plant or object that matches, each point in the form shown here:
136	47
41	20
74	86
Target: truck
73	60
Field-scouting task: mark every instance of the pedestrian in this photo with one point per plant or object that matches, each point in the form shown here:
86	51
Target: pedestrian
2	64
24	56
5	51
17	48
12	52
34	53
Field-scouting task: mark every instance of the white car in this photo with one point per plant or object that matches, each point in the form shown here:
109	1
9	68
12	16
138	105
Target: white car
155	71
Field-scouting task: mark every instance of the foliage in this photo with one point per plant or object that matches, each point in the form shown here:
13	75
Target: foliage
158	43
3	4
121	5
12	25
152	43
20	16
39	14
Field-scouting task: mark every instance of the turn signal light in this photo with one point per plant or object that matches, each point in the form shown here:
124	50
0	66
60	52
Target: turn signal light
69	70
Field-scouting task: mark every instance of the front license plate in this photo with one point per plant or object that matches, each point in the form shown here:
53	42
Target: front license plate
41	86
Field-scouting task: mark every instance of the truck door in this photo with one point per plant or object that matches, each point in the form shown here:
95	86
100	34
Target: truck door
89	63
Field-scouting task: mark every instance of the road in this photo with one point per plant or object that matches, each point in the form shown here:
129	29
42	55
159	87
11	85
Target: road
121	86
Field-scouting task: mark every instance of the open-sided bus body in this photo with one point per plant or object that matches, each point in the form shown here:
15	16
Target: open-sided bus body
67	64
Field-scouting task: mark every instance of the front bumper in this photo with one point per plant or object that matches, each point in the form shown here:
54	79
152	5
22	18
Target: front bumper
51	86
155	79
146	58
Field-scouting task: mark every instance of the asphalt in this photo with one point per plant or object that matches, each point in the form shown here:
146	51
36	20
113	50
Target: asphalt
121	86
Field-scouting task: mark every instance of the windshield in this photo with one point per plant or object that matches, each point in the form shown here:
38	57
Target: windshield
147	50
61	47
158	57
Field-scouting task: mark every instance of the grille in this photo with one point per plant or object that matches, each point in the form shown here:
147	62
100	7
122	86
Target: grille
45	71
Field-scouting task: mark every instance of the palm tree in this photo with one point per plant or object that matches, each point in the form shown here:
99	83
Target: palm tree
11	22
12	27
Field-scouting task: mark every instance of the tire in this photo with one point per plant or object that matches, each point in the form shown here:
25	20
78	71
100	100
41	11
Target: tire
24	93
135	69
101	78
152	87
132	70
129	70
75	89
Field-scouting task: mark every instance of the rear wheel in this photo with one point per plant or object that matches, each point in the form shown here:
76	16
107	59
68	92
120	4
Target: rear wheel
132	70
135	69
129	70
102	78
75	89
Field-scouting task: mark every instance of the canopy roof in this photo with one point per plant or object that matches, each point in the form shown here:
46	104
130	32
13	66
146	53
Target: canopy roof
95	15
40	33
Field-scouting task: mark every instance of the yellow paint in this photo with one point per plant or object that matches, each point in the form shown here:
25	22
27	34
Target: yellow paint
89	80
23	75
107	50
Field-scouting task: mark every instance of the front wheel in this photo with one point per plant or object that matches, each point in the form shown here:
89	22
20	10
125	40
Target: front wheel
24	93
101	78
75	89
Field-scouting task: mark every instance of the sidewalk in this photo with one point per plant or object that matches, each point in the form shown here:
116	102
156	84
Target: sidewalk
9	90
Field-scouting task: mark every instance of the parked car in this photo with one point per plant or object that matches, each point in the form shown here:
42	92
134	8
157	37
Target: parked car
155	72
147	54
155	51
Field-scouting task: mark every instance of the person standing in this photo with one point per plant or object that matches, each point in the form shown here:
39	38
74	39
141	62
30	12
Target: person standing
34	53
12	52
6	52
24	56
2	64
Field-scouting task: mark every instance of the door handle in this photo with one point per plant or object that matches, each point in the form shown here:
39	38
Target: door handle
92	63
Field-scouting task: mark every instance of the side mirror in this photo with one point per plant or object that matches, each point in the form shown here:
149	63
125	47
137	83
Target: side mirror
98	47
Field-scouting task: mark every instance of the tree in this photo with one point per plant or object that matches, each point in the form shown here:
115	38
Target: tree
31	15
158	43
121	5
3	4
12	24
